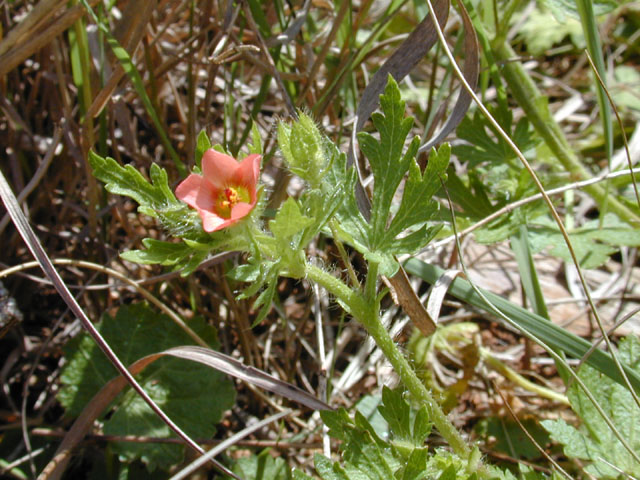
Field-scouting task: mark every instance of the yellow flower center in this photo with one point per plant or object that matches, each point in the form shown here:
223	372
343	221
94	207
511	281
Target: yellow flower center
229	197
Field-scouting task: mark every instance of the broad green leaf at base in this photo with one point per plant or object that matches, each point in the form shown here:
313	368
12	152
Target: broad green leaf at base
193	395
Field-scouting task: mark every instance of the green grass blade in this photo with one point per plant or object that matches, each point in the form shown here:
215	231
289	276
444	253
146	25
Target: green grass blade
528	274
553	335
594	47
127	64
530	284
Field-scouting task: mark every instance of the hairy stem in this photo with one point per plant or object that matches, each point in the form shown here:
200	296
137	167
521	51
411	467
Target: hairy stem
376	329
365	310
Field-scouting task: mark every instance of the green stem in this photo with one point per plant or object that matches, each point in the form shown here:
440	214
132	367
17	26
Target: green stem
343	253
366	312
350	299
371	284
376	329
518	379
526	93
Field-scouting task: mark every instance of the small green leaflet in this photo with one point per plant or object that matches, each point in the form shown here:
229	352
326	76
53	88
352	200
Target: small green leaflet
409	430
594	441
289	221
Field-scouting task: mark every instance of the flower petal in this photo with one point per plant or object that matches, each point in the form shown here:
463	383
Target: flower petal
212	222
218	168
240	210
189	189
248	173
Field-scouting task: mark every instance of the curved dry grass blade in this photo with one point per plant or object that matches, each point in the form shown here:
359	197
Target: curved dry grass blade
439	291
403	292
471	71
56	467
208	357
37	177
524	430
229	442
625	142
237	369
32	242
402	61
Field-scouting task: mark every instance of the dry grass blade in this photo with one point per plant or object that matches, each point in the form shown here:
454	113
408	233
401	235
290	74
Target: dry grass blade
34	19
235	368
439	291
37	37
208	357
43	259
621	125
471	71
402	61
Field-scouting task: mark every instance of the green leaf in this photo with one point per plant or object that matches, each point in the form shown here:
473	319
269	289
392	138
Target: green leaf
299	475
623	96
129	182
408	431
415	466
329	470
256	139
562	9
264	300
289	221
191	394
388	164
592	243
262	467
542	31
381	238
594	440
158	252
202	145
352	226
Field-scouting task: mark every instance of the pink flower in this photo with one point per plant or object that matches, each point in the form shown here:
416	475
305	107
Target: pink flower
225	192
